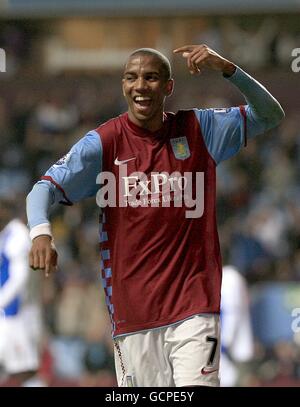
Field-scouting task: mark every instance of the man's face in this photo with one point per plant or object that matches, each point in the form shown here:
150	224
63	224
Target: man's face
145	88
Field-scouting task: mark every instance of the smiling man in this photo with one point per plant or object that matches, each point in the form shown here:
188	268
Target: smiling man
146	83
160	262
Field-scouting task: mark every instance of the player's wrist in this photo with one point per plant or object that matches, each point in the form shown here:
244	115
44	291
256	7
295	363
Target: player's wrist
228	69
44	229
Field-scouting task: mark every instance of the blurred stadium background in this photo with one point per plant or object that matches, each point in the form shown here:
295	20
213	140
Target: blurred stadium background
63	66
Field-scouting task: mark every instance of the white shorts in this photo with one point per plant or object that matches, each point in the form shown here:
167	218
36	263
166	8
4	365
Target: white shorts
18	345
183	354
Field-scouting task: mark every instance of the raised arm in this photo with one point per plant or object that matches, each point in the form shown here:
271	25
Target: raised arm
263	105
226	130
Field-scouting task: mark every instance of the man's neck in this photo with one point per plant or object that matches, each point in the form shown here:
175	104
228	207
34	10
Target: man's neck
152	126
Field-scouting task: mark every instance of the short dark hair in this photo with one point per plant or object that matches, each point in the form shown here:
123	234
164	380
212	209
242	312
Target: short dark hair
165	63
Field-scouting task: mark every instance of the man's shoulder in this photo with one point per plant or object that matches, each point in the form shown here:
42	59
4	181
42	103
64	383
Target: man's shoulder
111	126
182	112
183	116
180	115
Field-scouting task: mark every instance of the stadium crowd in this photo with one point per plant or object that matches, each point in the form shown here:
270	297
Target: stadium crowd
258	212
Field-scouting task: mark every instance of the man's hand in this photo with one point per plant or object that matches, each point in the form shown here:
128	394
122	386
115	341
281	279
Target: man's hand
43	255
201	56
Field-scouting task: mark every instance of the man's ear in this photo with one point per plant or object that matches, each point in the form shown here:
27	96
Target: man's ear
170	87
123	87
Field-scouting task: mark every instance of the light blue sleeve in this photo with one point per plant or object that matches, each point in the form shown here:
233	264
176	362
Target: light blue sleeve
69	180
74	175
225	130
222	130
39	201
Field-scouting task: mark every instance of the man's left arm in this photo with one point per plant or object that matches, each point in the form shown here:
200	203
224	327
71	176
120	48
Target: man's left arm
262	107
226	130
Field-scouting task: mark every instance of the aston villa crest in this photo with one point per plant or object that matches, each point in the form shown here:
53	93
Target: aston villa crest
180	148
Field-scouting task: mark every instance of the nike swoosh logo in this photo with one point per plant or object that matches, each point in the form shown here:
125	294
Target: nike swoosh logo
205	372
117	162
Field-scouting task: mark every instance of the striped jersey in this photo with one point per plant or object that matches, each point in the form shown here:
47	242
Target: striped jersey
160	254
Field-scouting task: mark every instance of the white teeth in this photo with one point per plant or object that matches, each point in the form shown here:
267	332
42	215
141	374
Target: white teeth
141	98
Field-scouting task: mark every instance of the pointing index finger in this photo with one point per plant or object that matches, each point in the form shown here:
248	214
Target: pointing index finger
185	48
47	264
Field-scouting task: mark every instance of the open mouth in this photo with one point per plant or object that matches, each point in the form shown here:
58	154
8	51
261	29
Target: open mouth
142	102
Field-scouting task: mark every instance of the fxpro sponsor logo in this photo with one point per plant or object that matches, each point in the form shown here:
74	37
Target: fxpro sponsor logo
295	65
157	189
2	60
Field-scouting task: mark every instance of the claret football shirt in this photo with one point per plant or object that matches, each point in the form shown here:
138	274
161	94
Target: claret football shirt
160	254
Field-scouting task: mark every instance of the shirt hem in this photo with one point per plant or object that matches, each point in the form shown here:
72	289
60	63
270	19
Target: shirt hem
133	331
